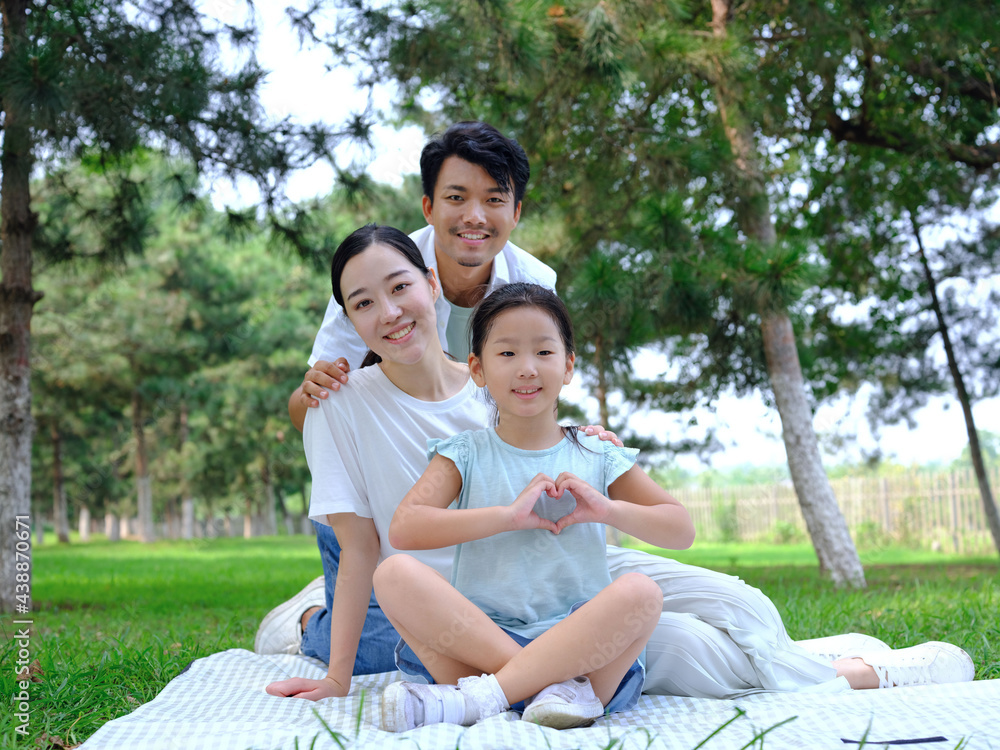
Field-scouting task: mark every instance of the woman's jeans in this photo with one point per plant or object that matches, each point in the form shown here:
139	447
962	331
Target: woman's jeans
378	639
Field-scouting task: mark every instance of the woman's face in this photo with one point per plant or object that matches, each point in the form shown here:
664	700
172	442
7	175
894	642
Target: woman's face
391	303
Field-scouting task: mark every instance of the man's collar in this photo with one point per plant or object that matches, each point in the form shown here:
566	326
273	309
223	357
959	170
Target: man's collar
500	273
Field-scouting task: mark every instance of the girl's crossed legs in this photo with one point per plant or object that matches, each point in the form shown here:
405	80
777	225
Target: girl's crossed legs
454	639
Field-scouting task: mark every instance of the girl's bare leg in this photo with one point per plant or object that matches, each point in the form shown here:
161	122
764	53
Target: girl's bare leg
600	640
452	637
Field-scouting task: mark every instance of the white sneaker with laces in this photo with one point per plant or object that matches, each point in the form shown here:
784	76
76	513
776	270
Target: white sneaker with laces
280	631
931	663
408	705
564	705
843	646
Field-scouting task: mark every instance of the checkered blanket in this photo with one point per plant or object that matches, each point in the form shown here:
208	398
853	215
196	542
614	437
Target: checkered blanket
219	703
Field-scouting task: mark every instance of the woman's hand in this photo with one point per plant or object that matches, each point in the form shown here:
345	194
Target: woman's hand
311	690
522	510
591	505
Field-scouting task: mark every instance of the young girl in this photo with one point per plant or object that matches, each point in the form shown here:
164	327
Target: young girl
531	612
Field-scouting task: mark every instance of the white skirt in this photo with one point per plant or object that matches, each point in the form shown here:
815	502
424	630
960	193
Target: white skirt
719	637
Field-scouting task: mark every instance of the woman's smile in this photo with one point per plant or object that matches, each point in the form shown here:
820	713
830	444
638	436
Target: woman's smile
400	333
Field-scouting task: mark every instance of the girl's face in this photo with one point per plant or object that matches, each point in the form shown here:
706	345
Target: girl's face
391	303
524	362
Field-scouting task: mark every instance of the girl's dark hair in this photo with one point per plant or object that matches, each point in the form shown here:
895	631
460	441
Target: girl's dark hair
511	297
360	240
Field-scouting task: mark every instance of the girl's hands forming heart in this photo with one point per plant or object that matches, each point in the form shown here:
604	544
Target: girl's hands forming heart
591	505
523	514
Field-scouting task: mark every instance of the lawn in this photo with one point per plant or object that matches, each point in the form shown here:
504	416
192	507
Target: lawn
113	623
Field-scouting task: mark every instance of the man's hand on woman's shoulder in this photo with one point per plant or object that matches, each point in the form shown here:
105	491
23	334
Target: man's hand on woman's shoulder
322	378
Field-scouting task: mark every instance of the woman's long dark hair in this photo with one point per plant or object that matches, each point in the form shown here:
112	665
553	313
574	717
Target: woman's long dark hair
360	240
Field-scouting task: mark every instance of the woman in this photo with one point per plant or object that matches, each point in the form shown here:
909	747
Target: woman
717	637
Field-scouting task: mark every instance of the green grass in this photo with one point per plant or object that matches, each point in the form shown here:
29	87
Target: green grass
115	622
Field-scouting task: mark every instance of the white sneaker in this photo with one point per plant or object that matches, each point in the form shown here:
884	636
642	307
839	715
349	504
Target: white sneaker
564	705
408	705
280	631
843	646
931	663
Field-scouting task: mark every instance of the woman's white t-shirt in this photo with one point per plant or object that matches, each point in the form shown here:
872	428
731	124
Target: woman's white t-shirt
366	445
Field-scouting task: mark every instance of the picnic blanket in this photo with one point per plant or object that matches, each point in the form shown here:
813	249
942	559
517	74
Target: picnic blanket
219	703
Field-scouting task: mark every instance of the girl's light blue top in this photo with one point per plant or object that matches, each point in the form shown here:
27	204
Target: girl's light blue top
526	581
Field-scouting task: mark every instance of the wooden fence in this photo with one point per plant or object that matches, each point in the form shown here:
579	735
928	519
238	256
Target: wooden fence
920	509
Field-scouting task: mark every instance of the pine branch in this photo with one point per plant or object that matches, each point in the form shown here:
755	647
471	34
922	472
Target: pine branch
863	132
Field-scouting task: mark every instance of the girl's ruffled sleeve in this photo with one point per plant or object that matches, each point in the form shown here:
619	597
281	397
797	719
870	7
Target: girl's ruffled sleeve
617	461
457	448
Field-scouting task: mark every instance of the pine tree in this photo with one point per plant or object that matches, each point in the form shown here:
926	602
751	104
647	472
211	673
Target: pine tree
96	80
721	107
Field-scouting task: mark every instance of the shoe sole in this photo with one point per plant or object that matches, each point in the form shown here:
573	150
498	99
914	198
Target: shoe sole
394	708
561	716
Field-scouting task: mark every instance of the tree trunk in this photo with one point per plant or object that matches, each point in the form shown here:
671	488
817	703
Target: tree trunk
611	534
831	538
985	493
283	507
602	383
248	518
60	513
112	526
143	483
187	502
187	518
84	523
269	515
173	521
17	301
835	549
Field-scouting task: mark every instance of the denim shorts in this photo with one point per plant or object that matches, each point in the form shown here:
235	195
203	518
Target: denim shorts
626	697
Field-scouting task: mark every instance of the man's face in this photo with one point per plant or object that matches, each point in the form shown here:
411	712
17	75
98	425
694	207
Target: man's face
471	215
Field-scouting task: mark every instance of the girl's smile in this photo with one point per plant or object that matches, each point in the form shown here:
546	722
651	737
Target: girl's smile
527	393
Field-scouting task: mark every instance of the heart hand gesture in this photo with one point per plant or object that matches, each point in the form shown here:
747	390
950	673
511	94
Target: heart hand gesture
523	514
591	505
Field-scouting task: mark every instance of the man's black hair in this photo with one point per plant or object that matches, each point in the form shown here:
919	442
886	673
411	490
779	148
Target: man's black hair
483	145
